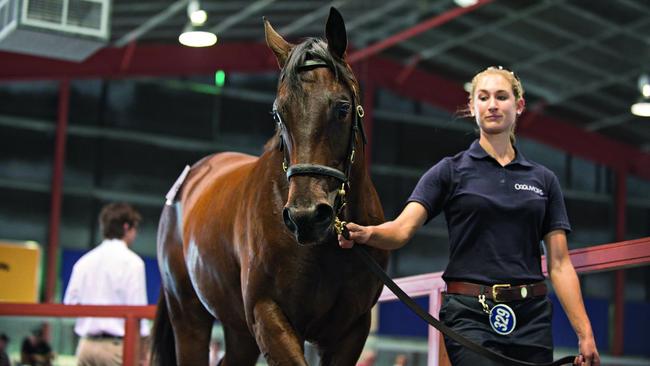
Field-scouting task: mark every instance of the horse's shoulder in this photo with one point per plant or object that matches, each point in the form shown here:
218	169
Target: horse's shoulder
208	170
224	161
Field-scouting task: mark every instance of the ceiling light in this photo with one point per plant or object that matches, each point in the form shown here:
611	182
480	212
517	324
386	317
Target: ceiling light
642	107
198	17
465	3
194	34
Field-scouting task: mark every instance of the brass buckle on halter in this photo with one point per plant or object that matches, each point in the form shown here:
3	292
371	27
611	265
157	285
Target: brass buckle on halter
494	291
339	226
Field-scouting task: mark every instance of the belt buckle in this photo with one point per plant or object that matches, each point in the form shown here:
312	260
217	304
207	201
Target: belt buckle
494	290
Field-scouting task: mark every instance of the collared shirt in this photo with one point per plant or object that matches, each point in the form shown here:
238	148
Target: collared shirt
496	215
110	274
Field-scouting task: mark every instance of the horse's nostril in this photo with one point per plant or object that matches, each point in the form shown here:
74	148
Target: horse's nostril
288	221
324	214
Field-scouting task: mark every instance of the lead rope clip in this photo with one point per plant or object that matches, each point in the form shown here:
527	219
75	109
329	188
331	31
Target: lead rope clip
481	299
339	226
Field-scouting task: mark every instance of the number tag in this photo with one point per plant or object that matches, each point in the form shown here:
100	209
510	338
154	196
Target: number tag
503	319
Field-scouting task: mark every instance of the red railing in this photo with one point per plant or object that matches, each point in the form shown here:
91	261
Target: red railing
612	256
131	315
597	258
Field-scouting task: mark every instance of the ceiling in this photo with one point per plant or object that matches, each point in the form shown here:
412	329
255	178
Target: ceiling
579	60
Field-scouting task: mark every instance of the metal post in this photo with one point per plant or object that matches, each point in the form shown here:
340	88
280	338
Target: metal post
435	338
619	292
57	190
131	341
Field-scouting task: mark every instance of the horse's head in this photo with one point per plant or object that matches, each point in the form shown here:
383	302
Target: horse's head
318	114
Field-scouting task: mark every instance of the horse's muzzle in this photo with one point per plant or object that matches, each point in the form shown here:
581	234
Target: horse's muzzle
310	224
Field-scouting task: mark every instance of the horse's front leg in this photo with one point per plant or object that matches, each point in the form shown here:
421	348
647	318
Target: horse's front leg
275	336
345	351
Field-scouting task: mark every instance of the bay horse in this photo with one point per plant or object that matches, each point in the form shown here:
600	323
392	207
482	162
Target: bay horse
251	241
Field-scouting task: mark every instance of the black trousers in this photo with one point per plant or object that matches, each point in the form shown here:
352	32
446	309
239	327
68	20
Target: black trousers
532	339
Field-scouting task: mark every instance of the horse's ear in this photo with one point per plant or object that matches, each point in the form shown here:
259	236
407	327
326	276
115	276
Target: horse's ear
337	40
276	43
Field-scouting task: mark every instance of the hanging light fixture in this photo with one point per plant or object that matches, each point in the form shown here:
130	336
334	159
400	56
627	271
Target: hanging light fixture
194	34
642	107
465	3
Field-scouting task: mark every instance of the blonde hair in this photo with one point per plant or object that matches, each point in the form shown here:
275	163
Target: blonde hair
517	88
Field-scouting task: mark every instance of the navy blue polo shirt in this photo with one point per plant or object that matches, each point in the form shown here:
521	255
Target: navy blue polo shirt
496	216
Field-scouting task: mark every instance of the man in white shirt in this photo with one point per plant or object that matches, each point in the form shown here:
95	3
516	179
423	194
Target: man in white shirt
110	274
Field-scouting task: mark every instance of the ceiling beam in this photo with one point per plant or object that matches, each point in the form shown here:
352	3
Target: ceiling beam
413	31
609	121
153	22
549	96
308	18
584	42
146	138
603	81
548	130
374	14
244	13
420	85
463	39
147	60
606	23
361	39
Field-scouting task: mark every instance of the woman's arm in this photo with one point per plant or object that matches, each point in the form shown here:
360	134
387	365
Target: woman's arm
391	234
567	287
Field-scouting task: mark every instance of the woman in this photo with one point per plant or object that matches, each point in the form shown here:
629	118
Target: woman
498	207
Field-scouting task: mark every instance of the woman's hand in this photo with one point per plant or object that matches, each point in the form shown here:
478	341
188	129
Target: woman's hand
389	235
588	353
359	234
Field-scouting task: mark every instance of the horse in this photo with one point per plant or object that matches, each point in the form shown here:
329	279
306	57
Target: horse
252	241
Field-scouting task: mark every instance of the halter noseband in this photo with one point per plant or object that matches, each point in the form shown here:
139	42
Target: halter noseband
323	170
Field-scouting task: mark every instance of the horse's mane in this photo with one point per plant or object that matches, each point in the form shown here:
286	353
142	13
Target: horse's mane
310	49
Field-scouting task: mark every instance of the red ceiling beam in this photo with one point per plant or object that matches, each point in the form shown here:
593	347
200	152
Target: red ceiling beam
449	95
413	31
143	60
173	60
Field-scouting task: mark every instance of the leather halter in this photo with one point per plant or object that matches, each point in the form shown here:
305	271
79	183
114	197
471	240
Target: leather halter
317	169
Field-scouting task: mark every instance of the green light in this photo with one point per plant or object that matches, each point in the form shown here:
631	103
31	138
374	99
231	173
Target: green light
219	78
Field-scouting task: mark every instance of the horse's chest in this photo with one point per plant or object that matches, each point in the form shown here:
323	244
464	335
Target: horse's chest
320	293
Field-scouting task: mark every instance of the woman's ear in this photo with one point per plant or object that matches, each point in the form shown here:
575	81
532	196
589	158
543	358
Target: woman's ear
521	105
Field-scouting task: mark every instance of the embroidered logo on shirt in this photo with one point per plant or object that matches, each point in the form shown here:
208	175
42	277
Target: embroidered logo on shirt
526	187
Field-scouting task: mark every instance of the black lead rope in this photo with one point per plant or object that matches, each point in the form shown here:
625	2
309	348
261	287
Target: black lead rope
494	356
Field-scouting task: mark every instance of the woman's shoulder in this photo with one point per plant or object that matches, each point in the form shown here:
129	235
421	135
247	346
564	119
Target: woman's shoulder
542	171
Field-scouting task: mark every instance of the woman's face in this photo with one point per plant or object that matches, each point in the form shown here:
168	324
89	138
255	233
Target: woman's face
494	105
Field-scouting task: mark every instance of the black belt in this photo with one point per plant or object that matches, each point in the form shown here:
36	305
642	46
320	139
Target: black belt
494	356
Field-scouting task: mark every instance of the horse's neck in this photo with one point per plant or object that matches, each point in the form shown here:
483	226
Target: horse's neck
271	161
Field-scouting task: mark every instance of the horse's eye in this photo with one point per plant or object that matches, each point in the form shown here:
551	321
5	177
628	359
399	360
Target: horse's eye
276	116
342	109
